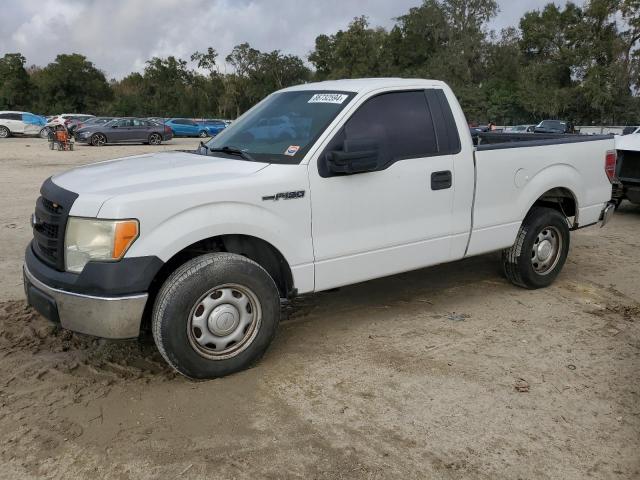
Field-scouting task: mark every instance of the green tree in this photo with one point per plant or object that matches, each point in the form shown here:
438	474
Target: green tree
71	83
16	89
358	51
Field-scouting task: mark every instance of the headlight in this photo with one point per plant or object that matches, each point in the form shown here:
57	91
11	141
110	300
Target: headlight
91	239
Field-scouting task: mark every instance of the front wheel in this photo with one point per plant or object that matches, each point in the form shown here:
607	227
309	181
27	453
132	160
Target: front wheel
44	132
155	139
540	250
215	315
203	134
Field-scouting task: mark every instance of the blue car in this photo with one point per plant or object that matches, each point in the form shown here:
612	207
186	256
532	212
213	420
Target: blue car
214	127
184	127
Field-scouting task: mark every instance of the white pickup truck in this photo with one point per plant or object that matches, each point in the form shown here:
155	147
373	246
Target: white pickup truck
317	186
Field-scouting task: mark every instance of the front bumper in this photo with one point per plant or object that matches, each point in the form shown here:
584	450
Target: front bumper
116	317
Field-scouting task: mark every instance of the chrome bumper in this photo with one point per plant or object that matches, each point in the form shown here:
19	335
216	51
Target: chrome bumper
106	317
607	213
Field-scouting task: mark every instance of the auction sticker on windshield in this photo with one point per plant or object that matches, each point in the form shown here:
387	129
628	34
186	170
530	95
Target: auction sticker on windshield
328	98
291	151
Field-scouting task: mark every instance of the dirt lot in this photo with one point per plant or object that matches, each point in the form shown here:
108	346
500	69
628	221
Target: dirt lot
448	372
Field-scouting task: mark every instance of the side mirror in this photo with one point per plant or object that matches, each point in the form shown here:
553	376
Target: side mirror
356	156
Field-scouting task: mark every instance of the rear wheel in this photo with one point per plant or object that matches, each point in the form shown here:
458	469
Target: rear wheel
540	250
44	132
215	315
4	132
98	140
155	139
203	134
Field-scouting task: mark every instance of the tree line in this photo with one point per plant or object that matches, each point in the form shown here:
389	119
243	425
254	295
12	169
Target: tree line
577	63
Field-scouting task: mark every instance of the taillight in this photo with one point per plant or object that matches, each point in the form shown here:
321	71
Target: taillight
610	165
167	129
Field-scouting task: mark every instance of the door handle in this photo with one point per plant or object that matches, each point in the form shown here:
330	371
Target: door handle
441	180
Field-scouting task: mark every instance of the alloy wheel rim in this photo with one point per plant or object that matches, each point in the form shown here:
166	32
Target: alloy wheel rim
546	250
224	321
4	133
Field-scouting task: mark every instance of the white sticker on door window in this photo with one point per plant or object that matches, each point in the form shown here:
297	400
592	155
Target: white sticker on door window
328	98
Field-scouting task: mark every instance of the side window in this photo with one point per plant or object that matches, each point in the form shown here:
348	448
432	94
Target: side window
13	116
400	123
4	116
444	123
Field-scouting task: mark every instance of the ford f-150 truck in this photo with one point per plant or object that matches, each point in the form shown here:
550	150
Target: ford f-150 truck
374	177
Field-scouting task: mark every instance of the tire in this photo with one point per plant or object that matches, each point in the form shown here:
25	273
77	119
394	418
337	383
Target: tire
44	132
4	132
186	330
540	250
155	139
98	140
203	134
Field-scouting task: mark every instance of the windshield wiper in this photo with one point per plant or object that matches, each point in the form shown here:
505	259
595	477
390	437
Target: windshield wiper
232	151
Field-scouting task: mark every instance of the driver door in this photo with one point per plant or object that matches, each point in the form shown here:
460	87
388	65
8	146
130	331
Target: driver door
393	219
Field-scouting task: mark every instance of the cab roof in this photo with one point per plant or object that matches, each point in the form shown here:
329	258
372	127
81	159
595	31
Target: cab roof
364	85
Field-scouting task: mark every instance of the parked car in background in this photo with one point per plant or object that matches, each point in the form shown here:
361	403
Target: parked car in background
521	129
97	121
124	130
72	121
20	123
630	130
185	127
554	126
214	127
160	120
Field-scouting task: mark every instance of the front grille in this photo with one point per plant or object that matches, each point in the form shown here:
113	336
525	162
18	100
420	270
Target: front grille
52	207
49	223
46	231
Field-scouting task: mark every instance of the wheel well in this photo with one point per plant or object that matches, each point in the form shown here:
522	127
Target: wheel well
256	249
261	252
562	200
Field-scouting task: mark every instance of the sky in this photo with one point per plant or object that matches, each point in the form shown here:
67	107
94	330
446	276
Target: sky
120	35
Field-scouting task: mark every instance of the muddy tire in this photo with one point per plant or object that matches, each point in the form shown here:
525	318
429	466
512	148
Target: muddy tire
540	250
215	315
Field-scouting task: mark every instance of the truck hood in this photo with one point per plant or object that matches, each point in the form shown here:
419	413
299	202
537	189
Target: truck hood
98	182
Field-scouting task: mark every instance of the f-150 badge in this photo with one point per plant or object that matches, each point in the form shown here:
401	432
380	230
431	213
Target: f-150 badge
285	196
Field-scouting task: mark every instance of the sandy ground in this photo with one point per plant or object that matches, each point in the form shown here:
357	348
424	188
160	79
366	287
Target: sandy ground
448	372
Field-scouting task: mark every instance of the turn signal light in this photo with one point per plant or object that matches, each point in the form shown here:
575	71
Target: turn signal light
125	234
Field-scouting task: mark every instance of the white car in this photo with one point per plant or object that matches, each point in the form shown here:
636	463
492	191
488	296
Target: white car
20	123
69	120
379	176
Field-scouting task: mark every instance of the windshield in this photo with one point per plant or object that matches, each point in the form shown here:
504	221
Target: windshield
283	127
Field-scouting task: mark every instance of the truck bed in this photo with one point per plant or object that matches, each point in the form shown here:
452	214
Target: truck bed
508	181
494	140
